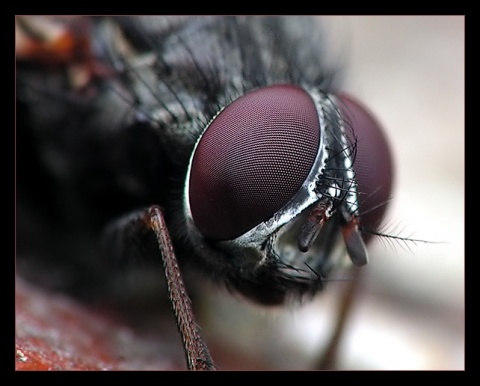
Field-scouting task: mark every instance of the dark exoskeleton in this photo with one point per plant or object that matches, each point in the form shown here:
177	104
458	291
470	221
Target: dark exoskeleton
265	173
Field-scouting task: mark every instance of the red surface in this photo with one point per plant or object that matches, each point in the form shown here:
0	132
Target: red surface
55	333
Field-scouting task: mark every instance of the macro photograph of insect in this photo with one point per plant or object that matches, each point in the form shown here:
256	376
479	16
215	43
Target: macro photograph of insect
239	192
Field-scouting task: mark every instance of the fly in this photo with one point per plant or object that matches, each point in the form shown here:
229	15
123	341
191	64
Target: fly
222	141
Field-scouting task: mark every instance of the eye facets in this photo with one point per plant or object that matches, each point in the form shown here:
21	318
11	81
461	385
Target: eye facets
252	159
373	163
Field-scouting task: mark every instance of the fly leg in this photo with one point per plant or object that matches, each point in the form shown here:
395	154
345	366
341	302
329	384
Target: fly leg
148	222
330	356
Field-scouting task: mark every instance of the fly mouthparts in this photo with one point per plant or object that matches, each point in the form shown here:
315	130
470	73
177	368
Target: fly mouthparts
315	221
308	234
354	243
320	214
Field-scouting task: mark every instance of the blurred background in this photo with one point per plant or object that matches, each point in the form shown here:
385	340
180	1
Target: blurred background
409	312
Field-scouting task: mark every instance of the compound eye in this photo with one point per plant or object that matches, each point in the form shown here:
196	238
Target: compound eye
373	163
252	159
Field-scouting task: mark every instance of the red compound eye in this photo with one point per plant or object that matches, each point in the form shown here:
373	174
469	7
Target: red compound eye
373	164
252	159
